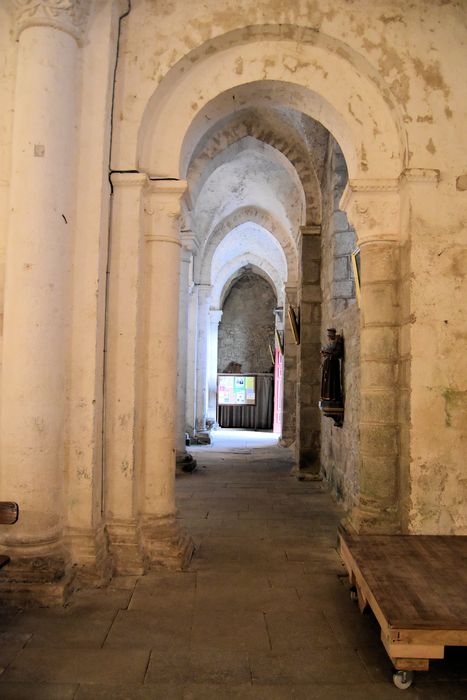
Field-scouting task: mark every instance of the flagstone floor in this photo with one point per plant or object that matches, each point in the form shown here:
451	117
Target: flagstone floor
263	612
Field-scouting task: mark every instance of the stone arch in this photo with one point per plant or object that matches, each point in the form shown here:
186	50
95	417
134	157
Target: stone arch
228	274
242	146
244	125
253	215
343	92
325	79
234	270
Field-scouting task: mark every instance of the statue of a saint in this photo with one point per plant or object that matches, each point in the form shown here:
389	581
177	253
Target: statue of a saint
332	400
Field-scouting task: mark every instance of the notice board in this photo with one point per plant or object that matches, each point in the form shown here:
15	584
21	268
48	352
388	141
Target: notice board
236	390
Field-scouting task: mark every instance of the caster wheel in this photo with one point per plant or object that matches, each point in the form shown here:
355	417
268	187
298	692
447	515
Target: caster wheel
403	679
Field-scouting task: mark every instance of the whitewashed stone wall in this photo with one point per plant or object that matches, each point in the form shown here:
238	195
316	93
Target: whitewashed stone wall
247	326
340	446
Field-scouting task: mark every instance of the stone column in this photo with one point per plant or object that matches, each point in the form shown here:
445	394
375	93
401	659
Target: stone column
374	211
123	369
290	372
163	542
189	246
192	350
215	316
204	300
309	374
37	293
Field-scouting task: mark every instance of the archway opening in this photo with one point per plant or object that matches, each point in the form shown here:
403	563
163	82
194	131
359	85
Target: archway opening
246	356
238	172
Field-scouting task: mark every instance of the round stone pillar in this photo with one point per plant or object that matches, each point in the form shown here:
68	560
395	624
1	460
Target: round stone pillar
204	301
373	208
163	542
37	291
189	246
290	386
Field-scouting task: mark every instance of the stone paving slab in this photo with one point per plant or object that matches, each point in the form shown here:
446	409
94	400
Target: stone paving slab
10	644
168	630
232	630
306	629
294	668
263	613
38	691
298	692
159	691
87	599
237	591
352	628
77	627
68	666
199	666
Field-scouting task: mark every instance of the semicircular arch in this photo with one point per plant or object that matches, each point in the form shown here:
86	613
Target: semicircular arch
228	275
257	217
248	131
330	82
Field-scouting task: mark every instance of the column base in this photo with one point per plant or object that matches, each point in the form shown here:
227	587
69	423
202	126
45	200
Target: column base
202	437
372	520
89	551
125	547
41	580
166	544
185	461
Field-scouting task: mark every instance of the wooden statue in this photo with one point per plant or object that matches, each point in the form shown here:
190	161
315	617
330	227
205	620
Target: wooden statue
332	399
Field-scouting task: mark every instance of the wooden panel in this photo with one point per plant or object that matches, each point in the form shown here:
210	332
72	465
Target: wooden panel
4	560
8	513
418	581
411	664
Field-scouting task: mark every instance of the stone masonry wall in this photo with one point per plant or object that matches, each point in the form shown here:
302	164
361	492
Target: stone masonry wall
339	446
247	326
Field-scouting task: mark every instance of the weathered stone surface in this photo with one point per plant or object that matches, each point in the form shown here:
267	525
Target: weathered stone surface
247	327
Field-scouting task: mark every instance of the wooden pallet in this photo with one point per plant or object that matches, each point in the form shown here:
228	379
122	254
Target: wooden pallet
8	516
416	586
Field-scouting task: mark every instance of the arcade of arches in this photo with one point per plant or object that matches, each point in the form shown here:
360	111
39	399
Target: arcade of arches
155	154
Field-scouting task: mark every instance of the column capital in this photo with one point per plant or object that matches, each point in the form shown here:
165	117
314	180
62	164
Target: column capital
310	230
68	16
162	209
421	175
291	290
129	179
189	241
204	292
168	192
373	209
215	316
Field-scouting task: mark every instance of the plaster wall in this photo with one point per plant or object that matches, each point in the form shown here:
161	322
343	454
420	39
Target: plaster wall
403	44
433	340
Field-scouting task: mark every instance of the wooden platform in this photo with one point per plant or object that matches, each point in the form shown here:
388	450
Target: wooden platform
416	586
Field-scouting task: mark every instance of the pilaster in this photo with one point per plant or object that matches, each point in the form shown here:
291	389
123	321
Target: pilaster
204	301
163	541
188	250
215	316
374	210
308	366
123	369
290	372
